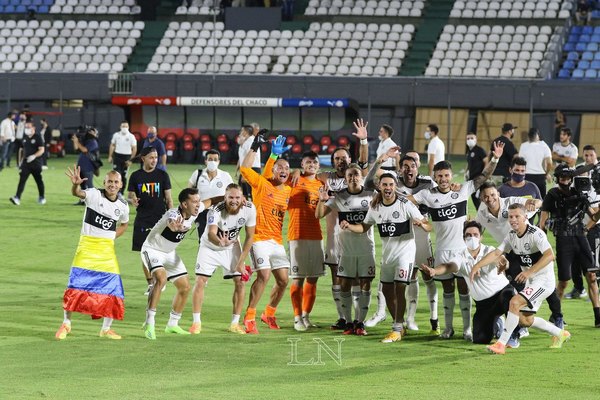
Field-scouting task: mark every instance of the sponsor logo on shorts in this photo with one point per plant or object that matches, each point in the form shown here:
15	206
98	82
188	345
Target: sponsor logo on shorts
260	260
295	269
340	268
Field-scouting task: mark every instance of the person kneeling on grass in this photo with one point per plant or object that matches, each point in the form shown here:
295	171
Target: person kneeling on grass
536	257
159	257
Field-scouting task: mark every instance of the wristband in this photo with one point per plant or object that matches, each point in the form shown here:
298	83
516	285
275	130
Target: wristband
495	159
274	156
364	141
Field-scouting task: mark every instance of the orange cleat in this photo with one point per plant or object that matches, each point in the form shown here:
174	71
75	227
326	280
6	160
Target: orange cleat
271	321
251	327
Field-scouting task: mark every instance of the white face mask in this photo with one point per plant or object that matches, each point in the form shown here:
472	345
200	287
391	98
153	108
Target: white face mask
471	143
427	135
472	243
124	131
27	131
240	139
212	165
381	138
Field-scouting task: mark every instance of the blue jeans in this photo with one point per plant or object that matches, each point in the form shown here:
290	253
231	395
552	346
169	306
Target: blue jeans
5	153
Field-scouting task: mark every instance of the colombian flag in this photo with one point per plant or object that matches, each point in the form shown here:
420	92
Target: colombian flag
95	286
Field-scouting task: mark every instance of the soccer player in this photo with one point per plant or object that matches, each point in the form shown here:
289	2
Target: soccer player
220	247
491	291
394	216
271	197
95	286
149	191
159	257
357	250
536	258
448	212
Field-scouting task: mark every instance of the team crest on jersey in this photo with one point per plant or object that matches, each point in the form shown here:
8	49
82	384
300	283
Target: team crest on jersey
219	184
364	203
396	214
505	214
117	212
154	260
454	195
241	221
527	246
295	269
211	219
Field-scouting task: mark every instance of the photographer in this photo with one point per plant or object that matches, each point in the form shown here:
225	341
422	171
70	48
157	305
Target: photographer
89	157
563	211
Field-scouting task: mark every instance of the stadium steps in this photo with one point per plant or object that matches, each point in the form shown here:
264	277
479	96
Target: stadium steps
166	9
435	18
143	52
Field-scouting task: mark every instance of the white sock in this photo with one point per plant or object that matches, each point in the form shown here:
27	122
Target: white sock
465	311
67	318
346	303
542	324
381	304
150	317
304	314
106	323
235	318
432	297
512	320
355	299
397	326
335	292
173	319
412	298
363	305
448	309
196	318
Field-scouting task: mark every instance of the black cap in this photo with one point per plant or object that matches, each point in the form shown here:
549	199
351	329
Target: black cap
507	127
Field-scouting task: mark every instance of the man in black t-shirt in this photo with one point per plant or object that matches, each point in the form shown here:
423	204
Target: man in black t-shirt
150	192
476	162
30	155
502	174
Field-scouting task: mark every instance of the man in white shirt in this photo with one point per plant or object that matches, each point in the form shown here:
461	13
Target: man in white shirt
386	143
539	160
565	151
244	140
123	148
435	149
7	137
19	135
210	182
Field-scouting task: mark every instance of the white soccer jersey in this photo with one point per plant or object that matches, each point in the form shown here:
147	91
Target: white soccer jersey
123	142
569	150
102	215
336	184
395	226
162	238
448	212
353	208
530	248
208	188
245	148
383	147
230	224
498	227
489	281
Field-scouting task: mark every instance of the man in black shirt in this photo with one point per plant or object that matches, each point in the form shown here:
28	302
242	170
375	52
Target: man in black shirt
476	162
31	155
150	192
502	173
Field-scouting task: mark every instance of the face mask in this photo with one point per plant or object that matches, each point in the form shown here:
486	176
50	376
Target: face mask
212	165
124	131
240	139
151	135
427	135
381	138
472	243
564	187
27	131
471	143
517	177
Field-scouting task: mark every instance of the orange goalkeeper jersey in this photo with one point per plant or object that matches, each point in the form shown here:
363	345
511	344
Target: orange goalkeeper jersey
303	202
271	203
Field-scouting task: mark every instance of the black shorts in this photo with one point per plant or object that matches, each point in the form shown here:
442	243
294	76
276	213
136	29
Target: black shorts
140	233
573	249
593	238
486	312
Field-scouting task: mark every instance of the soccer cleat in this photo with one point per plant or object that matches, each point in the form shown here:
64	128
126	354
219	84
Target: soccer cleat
496	348
63	331
307	322
597	322
412	326
360	329
468	335
391	337
435	328
148	289
300	326
109	334
176	330
559	322
15	200
523	333
149	332
339	325
558	341
237	328
270	321
513	342
42	201
375	319
349	329
196	328
251	327
447	334
498	326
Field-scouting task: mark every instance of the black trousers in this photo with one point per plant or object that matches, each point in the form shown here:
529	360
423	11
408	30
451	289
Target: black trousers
246	188
120	165
539	180
34	168
486	312
201	223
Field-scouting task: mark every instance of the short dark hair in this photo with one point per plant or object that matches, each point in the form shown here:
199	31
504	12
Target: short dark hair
388	175
532	133
233	186
407	158
487	185
11	114
567	131
213	151
518	161
310	154
472	224
248	129
147	150
471	133
340	148
589	147
388	129
517	206
186	193
433	128
440	165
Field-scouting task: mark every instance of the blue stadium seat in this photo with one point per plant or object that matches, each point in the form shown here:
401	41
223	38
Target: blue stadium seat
43	9
595	64
47	2
9	9
592	47
573	55
25	3
4	2
583	64
595	38
578	74
581	46
569	64
21	9
584	38
596	14
564	74
15	2
591	74
576	29
597	55
573	38
569	46
587	55
587	30
597	30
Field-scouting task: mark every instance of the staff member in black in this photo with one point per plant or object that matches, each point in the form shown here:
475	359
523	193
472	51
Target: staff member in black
31	163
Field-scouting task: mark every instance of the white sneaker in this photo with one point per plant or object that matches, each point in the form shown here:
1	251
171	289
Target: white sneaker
42	200
468	335
523	333
148	289
307	322
299	325
375	319
412	326
15	200
447	334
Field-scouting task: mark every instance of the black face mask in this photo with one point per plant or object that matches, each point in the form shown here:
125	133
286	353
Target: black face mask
564	187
